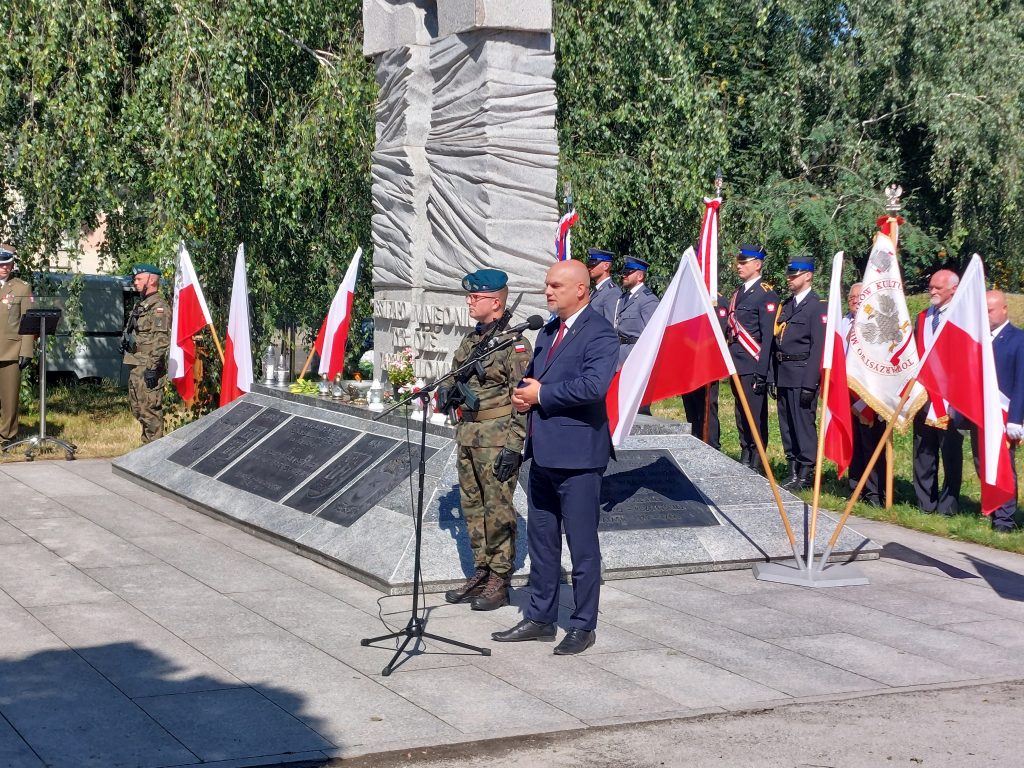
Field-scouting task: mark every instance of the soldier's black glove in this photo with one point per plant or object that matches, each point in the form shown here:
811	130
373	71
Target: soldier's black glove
506	464
151	377
760	385
124	346
808	397
23	362
773	392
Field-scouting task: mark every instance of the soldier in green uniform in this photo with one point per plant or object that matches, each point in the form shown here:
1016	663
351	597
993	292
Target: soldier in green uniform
145	341
490	440
15	349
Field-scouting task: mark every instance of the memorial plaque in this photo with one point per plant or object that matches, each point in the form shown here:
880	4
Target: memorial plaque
240	442
374	485
646	489
342	471
205	441
286	459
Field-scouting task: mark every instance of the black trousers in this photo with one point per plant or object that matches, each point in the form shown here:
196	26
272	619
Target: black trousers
930	446
758	409
1004	518
796	427
693	404
865	439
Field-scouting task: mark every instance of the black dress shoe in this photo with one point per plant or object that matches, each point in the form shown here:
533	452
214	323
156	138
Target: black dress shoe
575	641
527	629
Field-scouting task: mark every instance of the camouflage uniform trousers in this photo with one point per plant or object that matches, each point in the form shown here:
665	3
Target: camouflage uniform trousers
147	404
488	509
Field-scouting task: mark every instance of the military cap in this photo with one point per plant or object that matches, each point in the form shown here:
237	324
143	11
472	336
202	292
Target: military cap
485	280
146	269
596	254
630	263
6	254
800	264
750	251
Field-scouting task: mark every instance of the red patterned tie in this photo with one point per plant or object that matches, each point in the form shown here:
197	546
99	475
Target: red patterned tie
558	340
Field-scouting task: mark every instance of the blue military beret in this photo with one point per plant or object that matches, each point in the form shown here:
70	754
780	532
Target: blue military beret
596	254
629	263
146	269
6	254
485	280
750	251
800	264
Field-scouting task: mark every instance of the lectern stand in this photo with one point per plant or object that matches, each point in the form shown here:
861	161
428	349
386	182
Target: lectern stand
41	322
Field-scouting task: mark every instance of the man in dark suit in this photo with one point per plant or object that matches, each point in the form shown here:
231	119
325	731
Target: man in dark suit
1008	350
799	345
567	437
605	293
751	321
935	437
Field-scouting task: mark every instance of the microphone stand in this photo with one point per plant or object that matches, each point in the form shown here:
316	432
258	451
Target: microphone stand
417	625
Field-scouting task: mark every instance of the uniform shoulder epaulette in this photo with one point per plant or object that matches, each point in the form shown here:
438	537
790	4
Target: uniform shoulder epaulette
766	286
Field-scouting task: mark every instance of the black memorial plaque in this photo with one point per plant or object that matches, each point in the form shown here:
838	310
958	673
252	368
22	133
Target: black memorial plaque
342	471
205	441
286	459
240	442
646	489
374	485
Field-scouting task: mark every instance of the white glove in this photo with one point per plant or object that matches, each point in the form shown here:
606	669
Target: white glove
1015	431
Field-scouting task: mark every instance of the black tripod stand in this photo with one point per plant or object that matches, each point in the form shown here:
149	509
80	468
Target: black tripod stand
417	626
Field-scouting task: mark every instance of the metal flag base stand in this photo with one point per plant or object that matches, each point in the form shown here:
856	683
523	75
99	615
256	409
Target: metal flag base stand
791	572
40	322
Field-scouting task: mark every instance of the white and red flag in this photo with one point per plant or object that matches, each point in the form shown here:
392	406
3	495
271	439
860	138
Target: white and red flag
681	349
708	255
959	367
563	240
330	342
189	316
837	419
236	378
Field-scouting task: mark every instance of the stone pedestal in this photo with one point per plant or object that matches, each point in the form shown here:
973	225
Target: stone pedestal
465	163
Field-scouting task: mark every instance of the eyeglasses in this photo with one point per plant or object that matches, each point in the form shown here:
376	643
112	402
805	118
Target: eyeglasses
473	298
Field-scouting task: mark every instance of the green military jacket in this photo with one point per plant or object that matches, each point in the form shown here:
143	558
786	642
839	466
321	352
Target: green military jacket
15	301
504	370
148	333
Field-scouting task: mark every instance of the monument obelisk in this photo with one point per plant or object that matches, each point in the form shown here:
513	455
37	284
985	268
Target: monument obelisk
465	163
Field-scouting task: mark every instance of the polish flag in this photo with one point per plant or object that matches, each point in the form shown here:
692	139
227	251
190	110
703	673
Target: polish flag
837	420
680	350
190	315
236	379
563	240
708	256
959	368
330	342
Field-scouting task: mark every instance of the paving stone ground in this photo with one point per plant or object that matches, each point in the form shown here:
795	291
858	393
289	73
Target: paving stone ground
137	632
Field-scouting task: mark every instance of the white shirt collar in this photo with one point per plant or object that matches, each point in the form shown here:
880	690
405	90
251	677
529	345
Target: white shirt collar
572	318
801	296
635	288
599	283
750	283
995	331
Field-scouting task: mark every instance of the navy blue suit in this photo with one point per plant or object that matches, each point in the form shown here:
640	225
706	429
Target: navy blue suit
569	442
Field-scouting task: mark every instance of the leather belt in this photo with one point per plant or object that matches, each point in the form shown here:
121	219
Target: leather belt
487	414
791	358
624	339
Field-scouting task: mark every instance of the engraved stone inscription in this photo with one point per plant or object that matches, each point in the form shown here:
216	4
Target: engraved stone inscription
286	459
340	472
646	489
198	446
240	442
374	485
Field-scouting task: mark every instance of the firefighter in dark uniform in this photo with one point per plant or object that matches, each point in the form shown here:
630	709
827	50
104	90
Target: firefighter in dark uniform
490	438
634	306
605	292
145	342
694	402
799	345
750	325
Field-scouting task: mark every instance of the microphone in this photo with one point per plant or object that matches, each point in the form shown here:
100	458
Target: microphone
532	323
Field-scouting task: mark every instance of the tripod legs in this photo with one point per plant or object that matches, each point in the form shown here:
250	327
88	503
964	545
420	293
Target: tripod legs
415	629
35	443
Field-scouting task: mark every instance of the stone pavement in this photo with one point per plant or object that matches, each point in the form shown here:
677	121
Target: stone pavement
137	632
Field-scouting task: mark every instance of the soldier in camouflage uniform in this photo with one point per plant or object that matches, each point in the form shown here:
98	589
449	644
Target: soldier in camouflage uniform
145	341
490	437
15	349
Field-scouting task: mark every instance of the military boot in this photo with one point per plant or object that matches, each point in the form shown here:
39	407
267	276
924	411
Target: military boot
791	479
804	478
495	593
745	457
472	587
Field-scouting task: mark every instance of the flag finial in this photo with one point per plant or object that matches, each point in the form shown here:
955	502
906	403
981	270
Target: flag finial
567	195
892	199
718	182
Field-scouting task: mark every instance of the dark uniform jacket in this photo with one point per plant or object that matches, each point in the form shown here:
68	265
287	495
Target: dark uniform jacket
603	299
799	342
1008	351
753	310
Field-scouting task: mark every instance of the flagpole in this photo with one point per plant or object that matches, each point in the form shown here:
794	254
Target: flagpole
819	463
867	472
309	359
216	342
756	432
888	471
